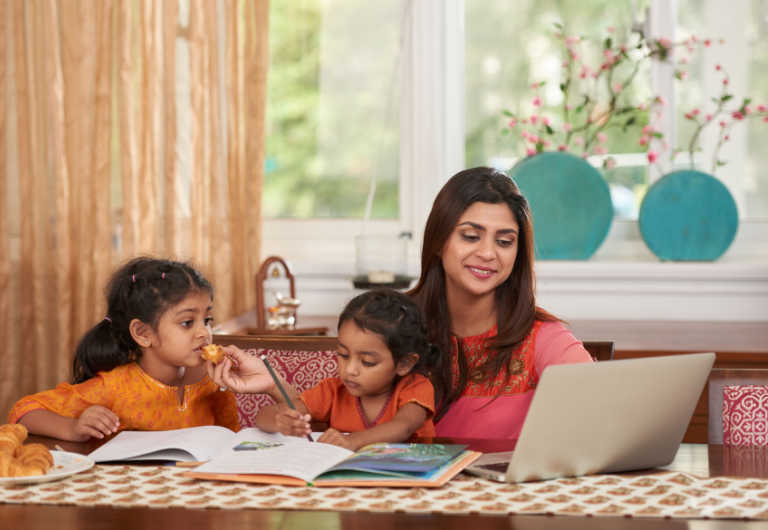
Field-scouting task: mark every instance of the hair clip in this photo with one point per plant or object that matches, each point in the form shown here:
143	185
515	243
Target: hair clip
162	276
133	278
108	319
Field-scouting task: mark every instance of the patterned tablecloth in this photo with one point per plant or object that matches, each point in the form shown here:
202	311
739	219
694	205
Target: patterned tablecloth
659	494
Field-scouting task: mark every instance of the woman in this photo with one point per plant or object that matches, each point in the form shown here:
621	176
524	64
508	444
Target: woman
477	292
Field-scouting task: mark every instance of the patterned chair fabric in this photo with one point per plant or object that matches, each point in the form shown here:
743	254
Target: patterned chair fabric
301	369
745	415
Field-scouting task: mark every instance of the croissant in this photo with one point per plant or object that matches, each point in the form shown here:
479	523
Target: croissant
18	460
36	455
213	353
16	429
8	443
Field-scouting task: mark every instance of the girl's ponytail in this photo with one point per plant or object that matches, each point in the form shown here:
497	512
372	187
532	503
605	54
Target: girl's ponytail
99	350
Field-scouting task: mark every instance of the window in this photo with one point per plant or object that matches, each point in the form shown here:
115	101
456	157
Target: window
333	103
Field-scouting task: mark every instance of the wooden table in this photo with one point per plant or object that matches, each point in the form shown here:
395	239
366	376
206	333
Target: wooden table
698	459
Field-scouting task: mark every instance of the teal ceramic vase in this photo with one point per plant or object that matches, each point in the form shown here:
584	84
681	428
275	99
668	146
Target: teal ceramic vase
688	216
570	202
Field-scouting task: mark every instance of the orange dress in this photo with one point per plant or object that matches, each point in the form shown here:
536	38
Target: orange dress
141	402
330	402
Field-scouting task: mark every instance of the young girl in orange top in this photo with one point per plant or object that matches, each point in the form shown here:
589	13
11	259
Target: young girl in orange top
381	393
140	367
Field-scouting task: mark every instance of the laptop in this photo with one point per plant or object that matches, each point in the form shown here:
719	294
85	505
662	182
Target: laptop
603	417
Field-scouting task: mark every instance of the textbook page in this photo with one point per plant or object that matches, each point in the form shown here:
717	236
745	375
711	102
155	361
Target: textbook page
290	457
193	444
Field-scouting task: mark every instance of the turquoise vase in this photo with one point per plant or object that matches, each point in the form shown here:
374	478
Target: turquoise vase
688	216
570	202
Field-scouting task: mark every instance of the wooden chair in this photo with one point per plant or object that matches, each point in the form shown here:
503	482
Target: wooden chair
720	378
600	350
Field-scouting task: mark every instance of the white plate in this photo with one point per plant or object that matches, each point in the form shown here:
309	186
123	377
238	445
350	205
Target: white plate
64	465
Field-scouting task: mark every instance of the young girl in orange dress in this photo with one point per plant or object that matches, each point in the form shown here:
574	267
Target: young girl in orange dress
477	292
381	393
140	367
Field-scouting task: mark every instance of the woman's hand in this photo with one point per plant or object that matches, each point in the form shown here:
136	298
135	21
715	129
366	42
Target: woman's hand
240	372
332	436
95	422
292	422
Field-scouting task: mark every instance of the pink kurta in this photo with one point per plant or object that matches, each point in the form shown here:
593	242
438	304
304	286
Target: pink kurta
478	413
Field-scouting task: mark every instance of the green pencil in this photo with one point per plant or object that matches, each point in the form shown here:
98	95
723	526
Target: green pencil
280	387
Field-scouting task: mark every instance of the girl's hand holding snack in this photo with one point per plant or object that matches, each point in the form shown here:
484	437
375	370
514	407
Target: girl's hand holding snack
292	422
95	422
240	372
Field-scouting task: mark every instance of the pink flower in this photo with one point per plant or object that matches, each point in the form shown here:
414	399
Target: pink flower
609	163
524	134
726	137
688	116
536	102
578	140
534	119
562	147
643	140
660	100
617	87
535	86
512	123
545	120
530	151
718	67
707	42
547	143
610	29
765	119
695	112
533	139
665	43
722	123
737	115
641	106
725	81
647	129
762	108
747	109
567	127
599	150
652	156
602	138
708	117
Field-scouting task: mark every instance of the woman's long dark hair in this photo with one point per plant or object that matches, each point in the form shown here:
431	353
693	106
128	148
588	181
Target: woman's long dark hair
141	289
515	299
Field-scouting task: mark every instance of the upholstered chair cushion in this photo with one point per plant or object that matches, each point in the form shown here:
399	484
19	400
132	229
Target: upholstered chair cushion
745	415
301	369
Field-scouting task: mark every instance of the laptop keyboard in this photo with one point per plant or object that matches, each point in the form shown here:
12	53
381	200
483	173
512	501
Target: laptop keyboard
500	467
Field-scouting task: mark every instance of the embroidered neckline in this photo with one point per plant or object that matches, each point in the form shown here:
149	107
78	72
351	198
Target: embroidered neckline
361	411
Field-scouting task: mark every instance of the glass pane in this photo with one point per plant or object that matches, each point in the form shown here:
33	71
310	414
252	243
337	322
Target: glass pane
512	45
737	50
333	109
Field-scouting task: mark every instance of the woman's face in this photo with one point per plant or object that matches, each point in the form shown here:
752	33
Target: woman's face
480	252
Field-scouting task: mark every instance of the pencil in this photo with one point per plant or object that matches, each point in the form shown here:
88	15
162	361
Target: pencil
280	387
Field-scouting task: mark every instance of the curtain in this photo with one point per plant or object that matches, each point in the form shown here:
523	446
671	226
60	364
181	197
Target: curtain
127	127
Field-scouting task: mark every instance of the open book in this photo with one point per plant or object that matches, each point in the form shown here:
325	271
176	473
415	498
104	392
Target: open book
252	455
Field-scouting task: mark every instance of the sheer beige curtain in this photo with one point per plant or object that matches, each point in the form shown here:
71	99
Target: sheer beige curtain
126	127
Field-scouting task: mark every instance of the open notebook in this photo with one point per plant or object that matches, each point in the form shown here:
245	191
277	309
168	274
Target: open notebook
603	417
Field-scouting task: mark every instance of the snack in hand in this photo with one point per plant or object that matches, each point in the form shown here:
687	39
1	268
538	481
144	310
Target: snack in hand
213	353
